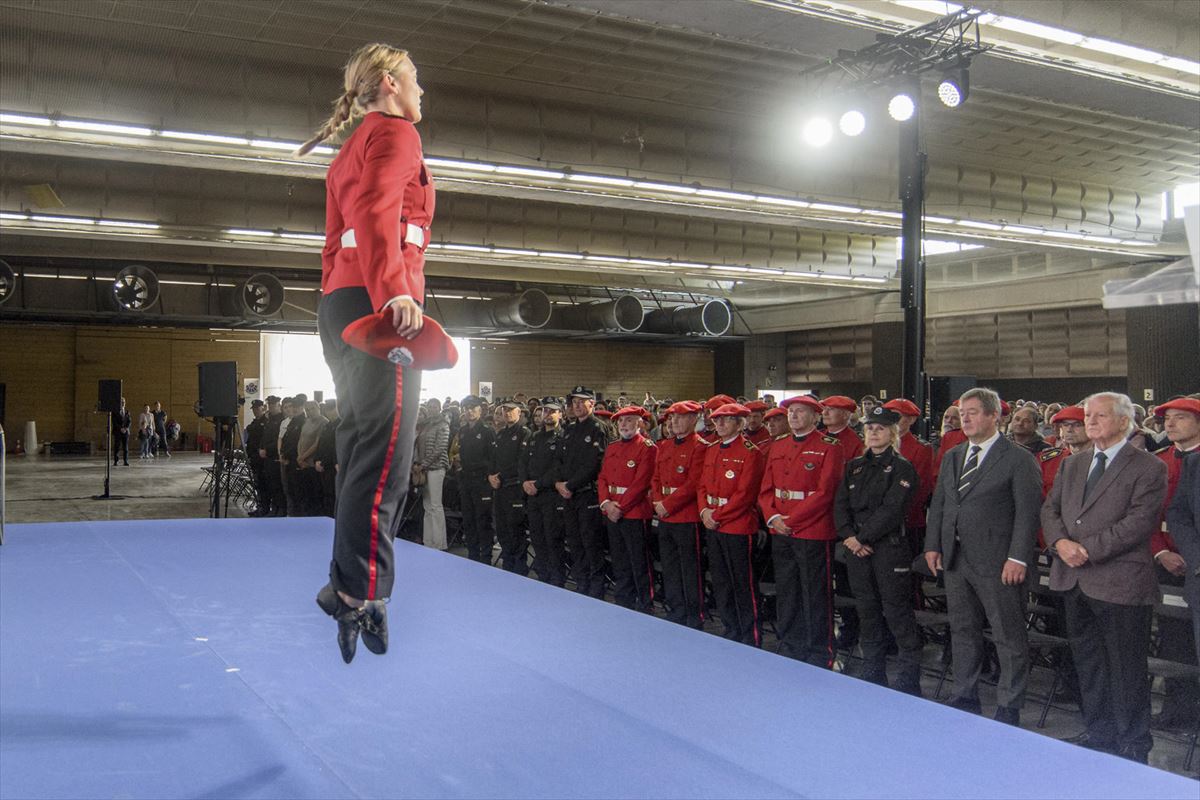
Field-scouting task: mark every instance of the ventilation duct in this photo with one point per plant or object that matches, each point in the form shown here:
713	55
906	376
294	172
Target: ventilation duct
622	315
529	309
712	318
135	288
8	282
258	296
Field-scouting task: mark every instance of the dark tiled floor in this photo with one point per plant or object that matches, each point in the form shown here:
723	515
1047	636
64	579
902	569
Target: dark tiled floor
57	489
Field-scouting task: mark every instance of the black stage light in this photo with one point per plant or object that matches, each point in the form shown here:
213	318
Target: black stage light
954	88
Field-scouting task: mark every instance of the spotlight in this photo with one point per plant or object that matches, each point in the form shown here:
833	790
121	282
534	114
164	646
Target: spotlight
901	107
953	89
852	123
817	132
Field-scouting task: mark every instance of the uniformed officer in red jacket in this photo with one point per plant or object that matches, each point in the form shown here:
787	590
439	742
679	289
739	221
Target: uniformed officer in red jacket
1071	438
920	454
624	491
798	490
755	430
677	466
709	434
379	206
725	498
777	425
836	412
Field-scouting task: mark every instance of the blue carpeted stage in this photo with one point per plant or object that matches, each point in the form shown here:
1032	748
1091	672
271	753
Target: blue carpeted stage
188	659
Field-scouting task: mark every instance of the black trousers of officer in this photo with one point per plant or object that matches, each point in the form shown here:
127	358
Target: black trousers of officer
634	583
848	630
329	492
261	494
273	475
882	586
545	514
804	599
291	488
683	576
510	529
475	495
120	445
1181	703
1111	644
377	401
736	596
585	538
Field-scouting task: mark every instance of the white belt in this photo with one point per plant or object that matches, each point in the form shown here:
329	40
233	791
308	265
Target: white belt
413	234
787	494
717	501
618	489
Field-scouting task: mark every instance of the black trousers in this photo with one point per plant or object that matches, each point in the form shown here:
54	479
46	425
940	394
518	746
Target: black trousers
736	596
848	630
308	492
683	577
1181	699
291	488
162	441
120	445
1111	644
261	493
475	495
377	402
585	538
882	586
634	583
273	475
804	599
545	514
510	529
329	493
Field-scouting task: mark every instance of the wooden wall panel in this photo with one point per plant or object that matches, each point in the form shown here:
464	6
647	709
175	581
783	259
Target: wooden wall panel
37	365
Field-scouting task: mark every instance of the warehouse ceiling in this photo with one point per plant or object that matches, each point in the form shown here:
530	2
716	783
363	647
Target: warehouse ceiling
587	145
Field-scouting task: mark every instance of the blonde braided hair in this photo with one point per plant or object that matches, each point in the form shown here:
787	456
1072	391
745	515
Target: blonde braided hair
361	78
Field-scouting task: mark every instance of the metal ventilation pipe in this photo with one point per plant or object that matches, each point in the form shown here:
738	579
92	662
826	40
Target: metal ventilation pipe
529	309
135	288
8	282
260	295
622	315
712	318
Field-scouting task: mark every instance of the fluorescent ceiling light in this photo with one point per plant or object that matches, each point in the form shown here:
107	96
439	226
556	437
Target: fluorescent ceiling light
835	207
648	262
939	220
675	188
120	223
782	201
22	119
248	232
1023	229
1037	30
569	256
104	127
987	226
1122	50
273	144
529	172
881	213
1181	65
513	251
214	138
468	248
304	237
62	220
10	215
603	180
1064	234
721	194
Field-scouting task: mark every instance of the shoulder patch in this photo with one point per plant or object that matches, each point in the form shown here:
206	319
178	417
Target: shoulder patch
749	444
648	442
1050	454
832	440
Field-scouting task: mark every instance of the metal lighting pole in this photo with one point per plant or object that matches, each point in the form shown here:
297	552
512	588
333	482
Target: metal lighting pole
912	267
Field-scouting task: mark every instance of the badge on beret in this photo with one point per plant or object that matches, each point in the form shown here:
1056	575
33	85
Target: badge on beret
631	463
809	465
587	438
888	468
679	469
514	438
729	473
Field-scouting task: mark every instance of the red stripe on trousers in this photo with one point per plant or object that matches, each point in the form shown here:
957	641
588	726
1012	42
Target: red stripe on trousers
372	566
753	597
829	605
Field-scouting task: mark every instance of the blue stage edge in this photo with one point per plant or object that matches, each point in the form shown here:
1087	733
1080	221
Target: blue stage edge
188	659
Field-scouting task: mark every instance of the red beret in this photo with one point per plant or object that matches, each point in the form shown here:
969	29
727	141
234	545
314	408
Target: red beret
374	334
901	406
1180	403
775	412
628	411
756	405
1005	409
716	401
603	413
1067	414
804	399
732	410
684	407
839	401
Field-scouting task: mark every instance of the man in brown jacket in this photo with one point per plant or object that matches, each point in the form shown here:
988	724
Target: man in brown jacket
1098	520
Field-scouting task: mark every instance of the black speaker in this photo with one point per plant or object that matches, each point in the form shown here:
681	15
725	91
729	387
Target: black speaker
218	389
943	391
110	397
318	396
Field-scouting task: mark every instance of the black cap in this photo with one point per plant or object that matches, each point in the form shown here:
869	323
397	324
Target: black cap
508	402
882	416
274	398
550	402
582	391
471	401
256	403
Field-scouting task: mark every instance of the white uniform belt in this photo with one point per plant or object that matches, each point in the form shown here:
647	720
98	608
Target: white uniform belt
788	494
413	234
618	489
717	501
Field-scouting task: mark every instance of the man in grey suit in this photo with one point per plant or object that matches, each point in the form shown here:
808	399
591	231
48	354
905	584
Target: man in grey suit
1183	520
982	530
1098	520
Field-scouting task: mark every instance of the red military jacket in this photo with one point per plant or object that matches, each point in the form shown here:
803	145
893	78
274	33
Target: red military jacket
800	484
729	484
920	455
1051	461
758	437
1173	458
852	446
625	476
377	185
949	440
709	436
677	468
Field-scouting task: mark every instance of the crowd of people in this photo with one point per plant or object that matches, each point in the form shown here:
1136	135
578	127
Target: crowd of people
683	507
154	433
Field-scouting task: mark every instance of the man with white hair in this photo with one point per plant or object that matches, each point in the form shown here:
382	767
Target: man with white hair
1098	520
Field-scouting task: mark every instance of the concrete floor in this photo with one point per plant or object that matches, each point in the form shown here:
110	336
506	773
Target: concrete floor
61	489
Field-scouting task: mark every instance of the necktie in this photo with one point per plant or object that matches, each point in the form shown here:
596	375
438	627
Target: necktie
1095	475
969	468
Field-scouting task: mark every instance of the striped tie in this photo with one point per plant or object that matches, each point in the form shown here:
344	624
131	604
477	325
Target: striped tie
969	468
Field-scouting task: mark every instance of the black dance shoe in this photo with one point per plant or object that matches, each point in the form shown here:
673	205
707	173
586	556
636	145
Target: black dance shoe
349	620
375	626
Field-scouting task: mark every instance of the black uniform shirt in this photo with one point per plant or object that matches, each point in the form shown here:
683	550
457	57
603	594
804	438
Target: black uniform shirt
581	453
289	446
539	458
874	495
254	433
327	445
475	449
270	434
506	450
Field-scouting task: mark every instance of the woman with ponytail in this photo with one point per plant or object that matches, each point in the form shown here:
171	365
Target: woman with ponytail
379	206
